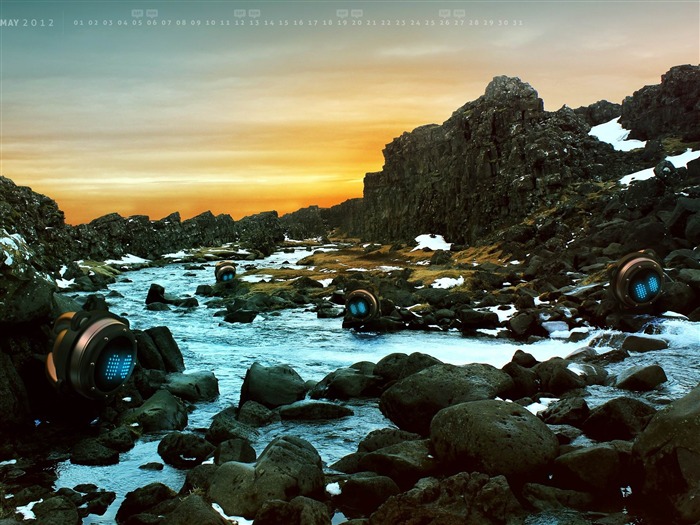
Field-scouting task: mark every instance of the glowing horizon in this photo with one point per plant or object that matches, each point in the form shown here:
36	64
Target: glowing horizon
149	120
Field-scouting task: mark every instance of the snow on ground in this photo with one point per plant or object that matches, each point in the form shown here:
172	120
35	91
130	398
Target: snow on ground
176	255
679	161
447	282
433	242
232	519
325	282
614	134
128	259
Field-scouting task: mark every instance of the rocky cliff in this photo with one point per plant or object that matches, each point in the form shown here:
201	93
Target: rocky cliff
670	108
495	162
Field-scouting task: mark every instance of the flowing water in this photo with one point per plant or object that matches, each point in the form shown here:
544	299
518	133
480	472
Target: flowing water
315	347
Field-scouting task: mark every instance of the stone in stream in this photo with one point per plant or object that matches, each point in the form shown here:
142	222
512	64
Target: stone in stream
225	426
272	386
641	378
639	343
193	386
356	381
254	414
493	437
668	451
404	462
145	500
412	402
194	510
184	450
314	410
162	411
288	466
300	510
464	499
619	418
396	366
362	494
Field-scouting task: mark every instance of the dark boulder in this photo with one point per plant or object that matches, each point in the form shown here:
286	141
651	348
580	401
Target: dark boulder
641	378
356	381
493	437
162	411
194	510
620	418
272	386
396	366
193	386
298	511
641	343
57	510
412	402
254	414
314	410
91	452
165	343
225	426
289	466
237	449
405	462
362	494
464	499
668	451
184	450
598	469
144	500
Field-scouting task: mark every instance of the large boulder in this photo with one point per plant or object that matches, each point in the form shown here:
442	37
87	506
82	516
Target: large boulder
272	386
193	386
668	451
355	381
412	402
194	510
162	411
288	467
493	437
619	418
463	499
184	450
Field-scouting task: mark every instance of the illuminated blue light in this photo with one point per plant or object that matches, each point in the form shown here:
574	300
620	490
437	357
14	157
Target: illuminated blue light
645	288
359	308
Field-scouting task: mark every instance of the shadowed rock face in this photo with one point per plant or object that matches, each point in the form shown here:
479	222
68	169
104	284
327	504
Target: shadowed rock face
494	162
670	107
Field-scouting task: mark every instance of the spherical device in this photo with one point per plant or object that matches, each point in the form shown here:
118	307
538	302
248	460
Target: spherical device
637	279
225	271
94	353
362	305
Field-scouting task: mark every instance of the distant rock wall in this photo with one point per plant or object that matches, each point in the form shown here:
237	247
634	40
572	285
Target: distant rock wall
348	216
672	107
306	223
492	164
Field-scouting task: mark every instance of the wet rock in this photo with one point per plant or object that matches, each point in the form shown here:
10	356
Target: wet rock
193	386
556	376
545	498
404	462
147	353
121	439
194	510
641	378
525	381
92	452
144	500
234	450
640	343
384	437
619	418
56	511
314	410
572	411
565	433
164	342
412	402
254	414
198	479
471	319
184	450
361	495
668	451
597	469
357	381
291	466
272	386
157	307
225	426
493	437
524	359
396	366
162	411
299	511
241	316
467	499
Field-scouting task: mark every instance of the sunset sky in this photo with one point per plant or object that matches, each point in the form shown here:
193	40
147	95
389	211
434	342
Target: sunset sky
162	111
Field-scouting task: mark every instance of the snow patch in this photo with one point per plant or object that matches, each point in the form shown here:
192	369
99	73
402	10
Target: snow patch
8	462
64	283
26	510
334	489
433	242
127	259
176	255
447	282
576	369
325	282
232	519
678	161
614	134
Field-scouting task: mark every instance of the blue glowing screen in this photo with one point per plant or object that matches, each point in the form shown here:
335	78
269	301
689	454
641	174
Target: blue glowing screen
228	276
114	365
645	287
358	307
